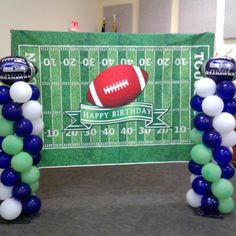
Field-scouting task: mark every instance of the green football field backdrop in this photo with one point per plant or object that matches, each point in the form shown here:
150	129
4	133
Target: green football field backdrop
153	128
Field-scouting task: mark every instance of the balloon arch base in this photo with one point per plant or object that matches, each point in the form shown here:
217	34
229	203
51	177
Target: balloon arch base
200	212
21	220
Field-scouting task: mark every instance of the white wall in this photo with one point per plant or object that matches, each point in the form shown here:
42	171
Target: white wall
222	47
53	15
135	3
46	15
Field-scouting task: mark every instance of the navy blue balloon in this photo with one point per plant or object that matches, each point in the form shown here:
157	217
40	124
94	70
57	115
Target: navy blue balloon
36	158
23	127
4	94
32	144
201	186
194	168
227	170
209	204
212	138
10	177
225	89
1	139
230	106
31	205
202	122
21	191
196	103
35	92
12	111
5	160
222	154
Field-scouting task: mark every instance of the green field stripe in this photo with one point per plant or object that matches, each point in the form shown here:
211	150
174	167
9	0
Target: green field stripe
93	57
46	96
131	127
64	79
56	95
140	129
149	90
176	96
162	89
100	156
75	95
122	125
112	56
84	68
140	54
140	133
23	50
158	90
185	72
84	87
103	128
167	93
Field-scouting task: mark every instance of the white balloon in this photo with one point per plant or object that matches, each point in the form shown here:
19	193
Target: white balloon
229	139
32	110
10	209
38	126
193	177
205	87
20	92
212	105
193	199
1	170
224	123
5	191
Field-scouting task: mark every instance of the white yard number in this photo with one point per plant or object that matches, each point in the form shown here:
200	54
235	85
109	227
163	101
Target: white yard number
108	131
49	62
127	131
145	61
69	62
163	61
88	62
107	62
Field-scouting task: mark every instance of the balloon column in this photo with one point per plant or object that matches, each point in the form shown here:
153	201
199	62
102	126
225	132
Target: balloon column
213	137
20	145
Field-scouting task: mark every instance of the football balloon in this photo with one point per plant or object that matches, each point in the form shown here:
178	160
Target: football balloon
219	68
117	86
13	69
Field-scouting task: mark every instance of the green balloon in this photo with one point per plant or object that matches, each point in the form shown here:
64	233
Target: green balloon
211	172
6	127
34	187
30	176
12	144
226	205
196	136
201	154
222	188
21	162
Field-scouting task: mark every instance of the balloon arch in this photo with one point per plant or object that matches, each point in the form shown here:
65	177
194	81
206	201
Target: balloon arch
213	136
20	145
214	106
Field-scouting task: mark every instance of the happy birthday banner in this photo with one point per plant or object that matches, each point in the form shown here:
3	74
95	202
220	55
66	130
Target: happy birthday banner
152	128
90	115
